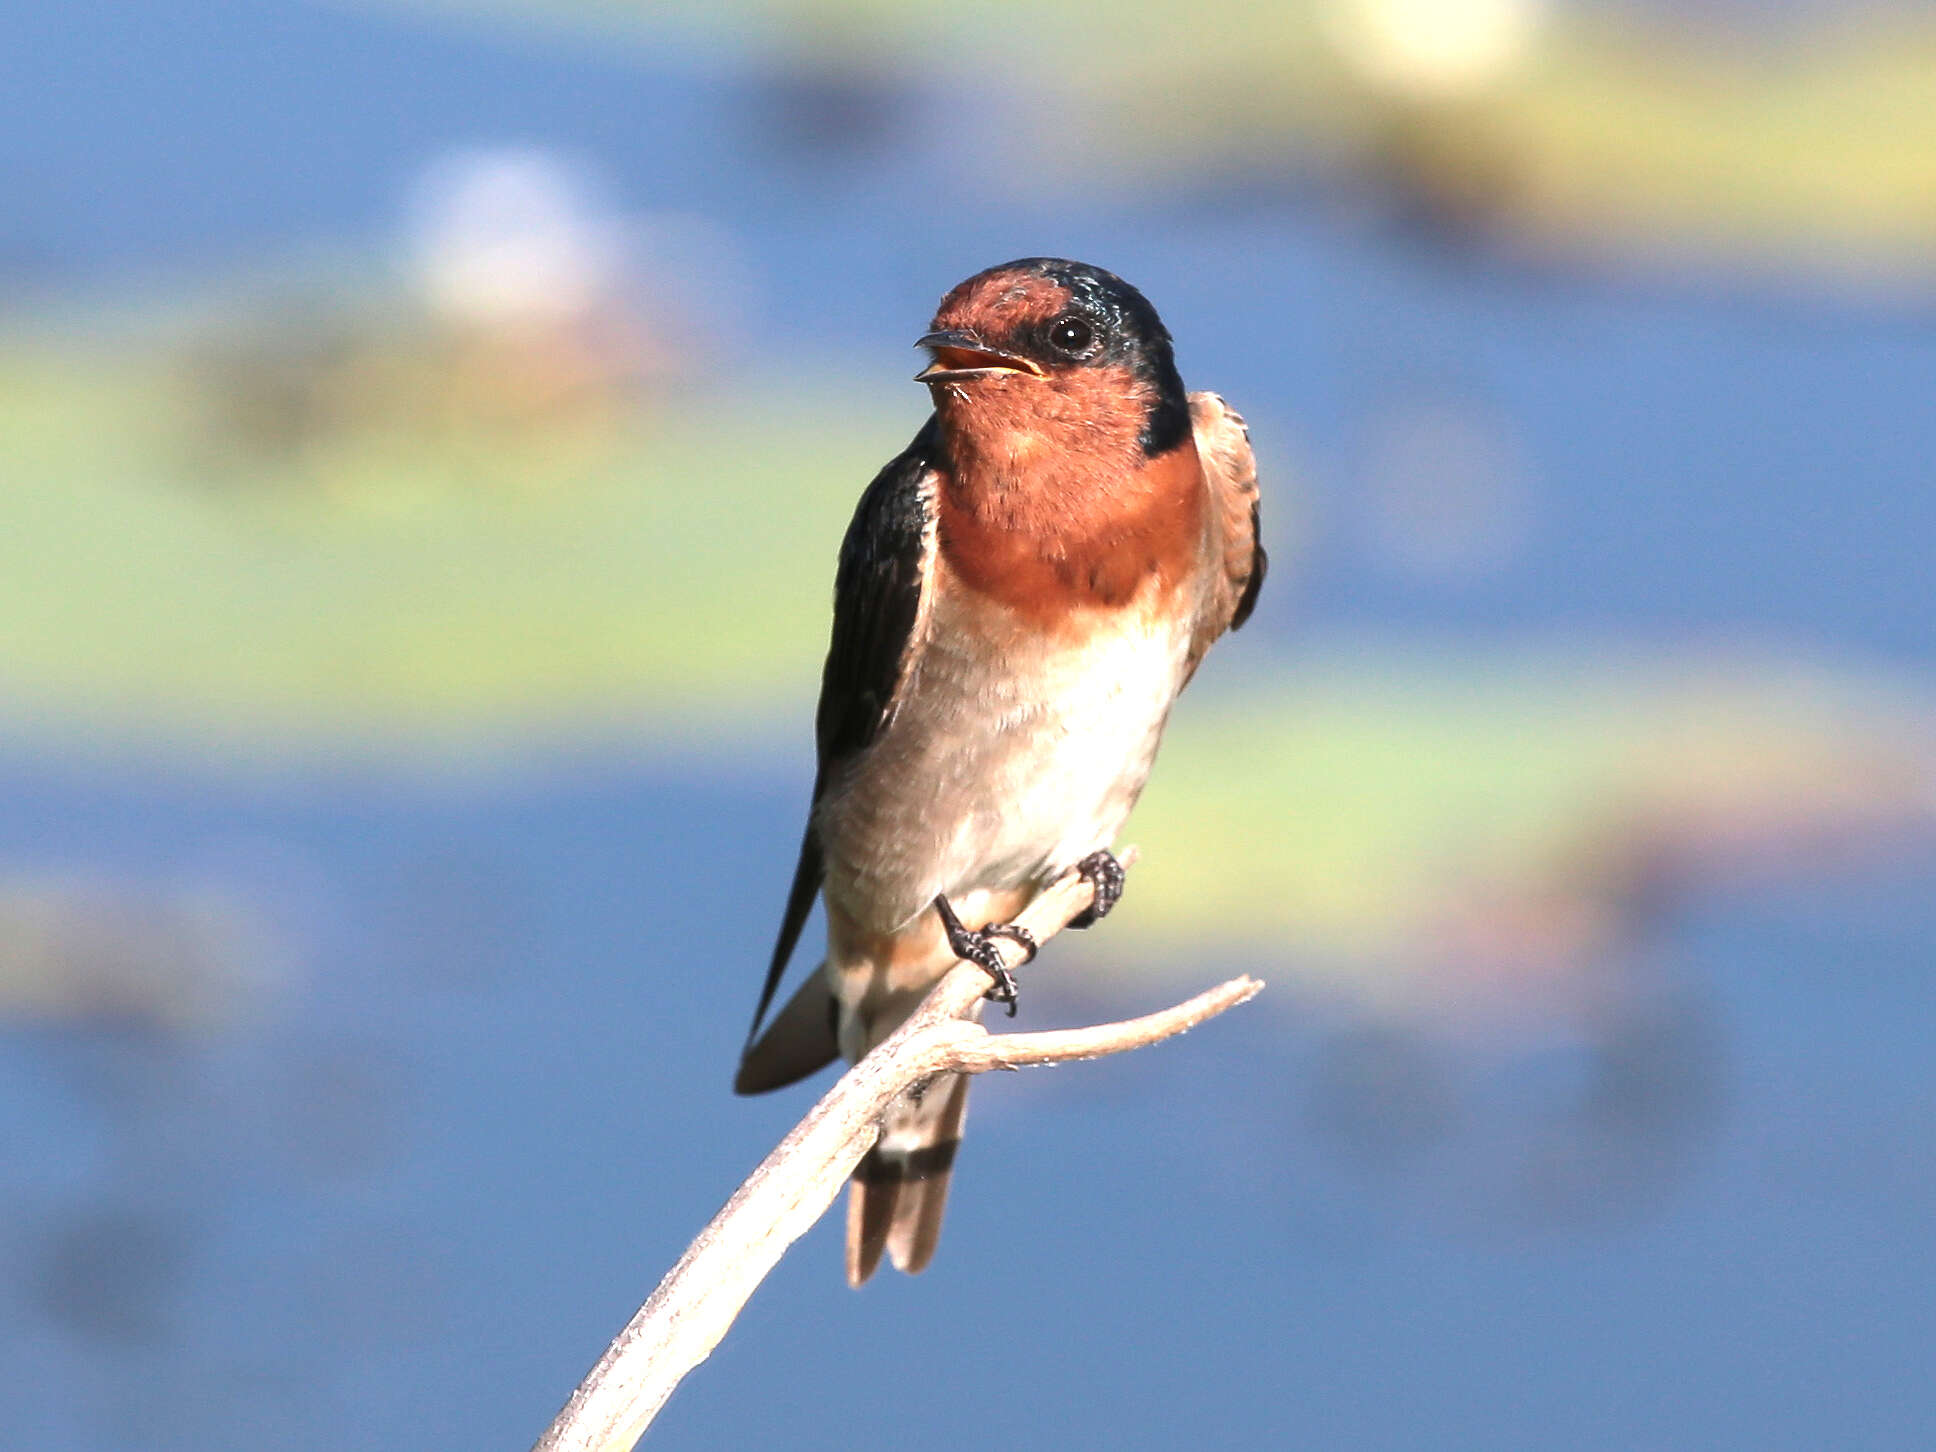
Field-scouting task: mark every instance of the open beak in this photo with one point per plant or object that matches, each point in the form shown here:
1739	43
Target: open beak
958	353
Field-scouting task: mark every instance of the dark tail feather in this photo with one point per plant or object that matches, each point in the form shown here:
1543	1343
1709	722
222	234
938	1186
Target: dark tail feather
901	1188
870	1211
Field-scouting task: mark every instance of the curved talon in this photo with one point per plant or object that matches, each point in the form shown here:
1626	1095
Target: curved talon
1105	875
1004	989
977	946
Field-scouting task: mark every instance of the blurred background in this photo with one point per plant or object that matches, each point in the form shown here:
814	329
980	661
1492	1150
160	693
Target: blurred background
425	434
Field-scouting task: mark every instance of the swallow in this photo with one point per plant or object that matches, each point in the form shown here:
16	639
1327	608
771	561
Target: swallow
1020	598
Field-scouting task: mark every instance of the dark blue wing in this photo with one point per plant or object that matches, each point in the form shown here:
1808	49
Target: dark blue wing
885	563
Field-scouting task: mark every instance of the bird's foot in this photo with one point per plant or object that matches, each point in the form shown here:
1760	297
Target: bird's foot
1105	874
977	946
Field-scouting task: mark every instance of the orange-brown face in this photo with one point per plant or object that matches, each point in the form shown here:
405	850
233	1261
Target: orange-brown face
1066	432
1048	354
993	324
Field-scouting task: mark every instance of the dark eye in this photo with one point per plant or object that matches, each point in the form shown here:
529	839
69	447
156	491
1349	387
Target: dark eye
1072	336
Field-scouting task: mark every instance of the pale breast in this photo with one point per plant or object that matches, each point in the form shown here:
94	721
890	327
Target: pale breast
1014	754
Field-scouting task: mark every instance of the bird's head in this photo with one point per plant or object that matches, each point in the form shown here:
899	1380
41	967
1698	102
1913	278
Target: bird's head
1053	344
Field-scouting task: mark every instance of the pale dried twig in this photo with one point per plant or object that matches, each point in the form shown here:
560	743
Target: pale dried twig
701	1296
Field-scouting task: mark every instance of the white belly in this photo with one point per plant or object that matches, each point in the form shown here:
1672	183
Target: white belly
1013	757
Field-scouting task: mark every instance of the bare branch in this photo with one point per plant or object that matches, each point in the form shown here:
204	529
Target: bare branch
979	1051
700	1297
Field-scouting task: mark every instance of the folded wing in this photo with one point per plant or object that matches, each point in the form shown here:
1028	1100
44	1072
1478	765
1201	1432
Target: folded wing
1230	472
882	593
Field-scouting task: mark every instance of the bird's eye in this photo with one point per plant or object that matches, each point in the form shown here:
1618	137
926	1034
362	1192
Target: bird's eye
1072	336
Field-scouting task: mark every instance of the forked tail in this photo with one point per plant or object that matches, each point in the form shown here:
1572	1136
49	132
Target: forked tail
901	1188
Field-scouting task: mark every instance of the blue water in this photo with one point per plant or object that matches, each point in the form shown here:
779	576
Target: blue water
484	1106
474	1097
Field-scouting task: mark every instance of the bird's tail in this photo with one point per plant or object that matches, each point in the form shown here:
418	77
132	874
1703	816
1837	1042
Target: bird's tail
901	1188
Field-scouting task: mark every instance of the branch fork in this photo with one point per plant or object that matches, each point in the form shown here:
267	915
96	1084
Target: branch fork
693	1307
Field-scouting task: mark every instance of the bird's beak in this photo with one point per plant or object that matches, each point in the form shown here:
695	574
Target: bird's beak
958	354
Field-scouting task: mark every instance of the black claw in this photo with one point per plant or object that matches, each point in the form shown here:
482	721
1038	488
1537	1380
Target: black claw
1106	874
977	946
1004	990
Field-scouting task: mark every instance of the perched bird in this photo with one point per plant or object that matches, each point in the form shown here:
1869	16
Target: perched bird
1020	597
